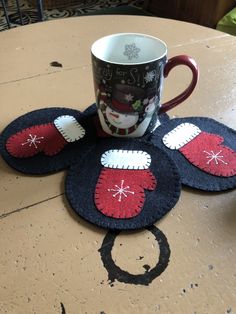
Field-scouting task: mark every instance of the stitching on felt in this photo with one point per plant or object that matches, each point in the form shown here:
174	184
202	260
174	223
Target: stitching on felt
31	120
9	146
194	128
75	123
140	195
108	163
221	184
23	154
67	137
188	157
139	205
216	160
54	152
33	140
132	225
221	139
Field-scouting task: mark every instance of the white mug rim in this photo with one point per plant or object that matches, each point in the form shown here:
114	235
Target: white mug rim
128	63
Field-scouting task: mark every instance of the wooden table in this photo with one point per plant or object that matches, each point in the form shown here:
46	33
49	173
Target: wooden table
50	261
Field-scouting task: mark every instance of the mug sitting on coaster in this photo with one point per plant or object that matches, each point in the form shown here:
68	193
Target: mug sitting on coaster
128	72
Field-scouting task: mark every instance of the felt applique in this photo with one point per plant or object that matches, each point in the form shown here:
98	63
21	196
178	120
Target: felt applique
120	190
49	138
122	184
202	149
119	183
74	132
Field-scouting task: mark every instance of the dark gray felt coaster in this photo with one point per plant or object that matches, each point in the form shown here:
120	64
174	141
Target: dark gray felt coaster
191	175
41	163
83	176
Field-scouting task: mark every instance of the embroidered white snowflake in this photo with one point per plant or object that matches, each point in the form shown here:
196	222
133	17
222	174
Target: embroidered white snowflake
131	51
33	140
129	97
216	157
149	76
120	191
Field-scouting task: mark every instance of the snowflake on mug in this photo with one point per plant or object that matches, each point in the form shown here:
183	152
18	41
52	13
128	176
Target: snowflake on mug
131	51
150	76
129	97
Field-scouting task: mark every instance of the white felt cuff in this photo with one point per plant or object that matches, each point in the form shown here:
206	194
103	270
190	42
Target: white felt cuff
69	128
181	135
126	159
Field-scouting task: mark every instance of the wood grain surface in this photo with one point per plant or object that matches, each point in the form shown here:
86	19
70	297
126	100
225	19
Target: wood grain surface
50	259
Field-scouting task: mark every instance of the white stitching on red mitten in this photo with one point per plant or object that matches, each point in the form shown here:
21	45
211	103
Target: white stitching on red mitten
49	138
120	190
202	149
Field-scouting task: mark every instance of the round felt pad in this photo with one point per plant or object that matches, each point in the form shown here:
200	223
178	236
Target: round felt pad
41	163
191	174
123	184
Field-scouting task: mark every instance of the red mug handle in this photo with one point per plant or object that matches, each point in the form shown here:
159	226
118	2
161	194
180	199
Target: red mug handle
173	62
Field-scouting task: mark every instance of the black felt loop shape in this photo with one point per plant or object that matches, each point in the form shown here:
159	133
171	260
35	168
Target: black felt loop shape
191	175
116	273
40	163
82	177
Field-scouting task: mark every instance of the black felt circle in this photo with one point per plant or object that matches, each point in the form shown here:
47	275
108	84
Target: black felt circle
191	175
42	164
82	178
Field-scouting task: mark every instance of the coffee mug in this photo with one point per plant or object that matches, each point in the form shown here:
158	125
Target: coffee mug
128	73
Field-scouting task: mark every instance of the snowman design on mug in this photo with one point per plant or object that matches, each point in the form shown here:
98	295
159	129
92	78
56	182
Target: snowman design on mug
127	112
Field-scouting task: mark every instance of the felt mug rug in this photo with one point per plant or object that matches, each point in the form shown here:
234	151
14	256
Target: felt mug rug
203	149
46	140
122	184
49	140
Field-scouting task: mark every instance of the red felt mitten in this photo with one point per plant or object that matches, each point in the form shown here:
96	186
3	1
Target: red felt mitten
120	188
202	149
49	138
